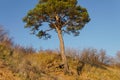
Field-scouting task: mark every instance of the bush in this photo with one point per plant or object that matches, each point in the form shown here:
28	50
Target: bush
94	57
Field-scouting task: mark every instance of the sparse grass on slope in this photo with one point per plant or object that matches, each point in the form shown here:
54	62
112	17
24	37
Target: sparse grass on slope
46	66
94	73
6	74
21	64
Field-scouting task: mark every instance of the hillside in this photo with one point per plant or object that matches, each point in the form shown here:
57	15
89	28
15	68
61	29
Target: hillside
45	65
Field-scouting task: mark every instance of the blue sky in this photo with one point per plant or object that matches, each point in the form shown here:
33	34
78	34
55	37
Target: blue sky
102	32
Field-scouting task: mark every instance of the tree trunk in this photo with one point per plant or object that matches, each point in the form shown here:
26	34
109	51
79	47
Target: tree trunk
62	51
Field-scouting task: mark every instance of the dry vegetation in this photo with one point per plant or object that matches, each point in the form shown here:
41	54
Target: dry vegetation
24	63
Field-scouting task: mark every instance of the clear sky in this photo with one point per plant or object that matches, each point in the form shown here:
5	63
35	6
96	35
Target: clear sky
102	32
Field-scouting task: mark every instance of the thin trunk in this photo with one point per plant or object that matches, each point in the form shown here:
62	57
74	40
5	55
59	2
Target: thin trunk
62	51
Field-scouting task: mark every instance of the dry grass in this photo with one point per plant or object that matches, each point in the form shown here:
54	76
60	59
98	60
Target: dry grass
45	66
25	64
6	74
100	74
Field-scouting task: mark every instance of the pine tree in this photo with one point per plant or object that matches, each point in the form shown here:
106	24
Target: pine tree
63	16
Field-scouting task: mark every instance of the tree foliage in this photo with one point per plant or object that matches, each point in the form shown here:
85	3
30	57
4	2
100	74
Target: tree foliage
63	14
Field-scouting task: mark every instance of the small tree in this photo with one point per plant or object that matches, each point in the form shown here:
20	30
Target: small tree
62	16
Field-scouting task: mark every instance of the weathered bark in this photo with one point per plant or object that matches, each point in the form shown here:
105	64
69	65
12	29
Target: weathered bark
62	51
